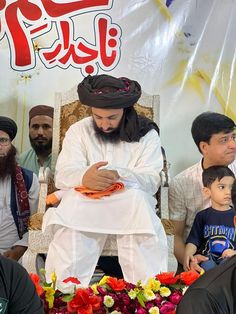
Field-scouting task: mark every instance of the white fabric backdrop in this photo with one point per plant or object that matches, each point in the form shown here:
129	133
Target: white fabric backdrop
183	50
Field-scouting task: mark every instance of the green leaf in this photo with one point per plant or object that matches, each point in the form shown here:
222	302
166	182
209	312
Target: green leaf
141	299
67	297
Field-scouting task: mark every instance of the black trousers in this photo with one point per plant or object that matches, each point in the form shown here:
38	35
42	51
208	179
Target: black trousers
110	266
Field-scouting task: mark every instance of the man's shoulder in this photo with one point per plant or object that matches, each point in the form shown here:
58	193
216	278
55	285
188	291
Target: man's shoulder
188	173
83	123
7	266
233	167
25	154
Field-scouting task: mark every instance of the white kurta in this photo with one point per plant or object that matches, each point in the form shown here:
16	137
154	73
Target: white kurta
8	231
127	212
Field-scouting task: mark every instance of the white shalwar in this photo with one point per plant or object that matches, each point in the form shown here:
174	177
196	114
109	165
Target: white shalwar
83	224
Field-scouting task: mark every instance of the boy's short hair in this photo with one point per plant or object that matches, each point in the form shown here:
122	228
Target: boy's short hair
233	194
213	173
209	123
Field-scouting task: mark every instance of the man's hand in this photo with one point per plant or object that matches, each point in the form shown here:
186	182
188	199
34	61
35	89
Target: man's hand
187	260
228	253
16	252
96	179
196	260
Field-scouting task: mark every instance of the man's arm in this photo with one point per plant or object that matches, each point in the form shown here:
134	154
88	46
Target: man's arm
15	252
190	250
179	245
145	174
20	246
23	297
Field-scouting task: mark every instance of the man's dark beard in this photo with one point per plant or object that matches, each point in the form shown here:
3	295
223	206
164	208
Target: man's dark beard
41	148
8	163
111	137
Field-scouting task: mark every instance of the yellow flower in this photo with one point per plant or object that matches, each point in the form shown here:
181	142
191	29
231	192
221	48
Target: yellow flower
154	310
49	296
54	279
149	294
103	281
153	284
108	301
165	292
94	288
132	294
116	312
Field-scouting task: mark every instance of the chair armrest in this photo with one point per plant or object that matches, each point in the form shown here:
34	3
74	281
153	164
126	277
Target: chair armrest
45	175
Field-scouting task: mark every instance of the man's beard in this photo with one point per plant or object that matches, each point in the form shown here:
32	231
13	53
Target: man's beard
111	137
41	148
8	163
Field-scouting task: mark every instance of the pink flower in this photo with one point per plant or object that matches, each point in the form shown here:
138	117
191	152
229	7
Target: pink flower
175	297
141	311
167	307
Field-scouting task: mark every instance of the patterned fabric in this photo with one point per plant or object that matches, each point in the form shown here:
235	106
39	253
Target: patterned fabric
23	211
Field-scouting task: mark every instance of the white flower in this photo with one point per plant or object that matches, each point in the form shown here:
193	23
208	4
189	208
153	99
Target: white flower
154	310
116	312
165	292
67	287
184	290
108	301
149	294
132	294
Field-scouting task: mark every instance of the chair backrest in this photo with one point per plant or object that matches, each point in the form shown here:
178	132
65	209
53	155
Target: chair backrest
68	110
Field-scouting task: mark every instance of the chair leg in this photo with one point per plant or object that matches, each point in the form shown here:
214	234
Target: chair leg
29	261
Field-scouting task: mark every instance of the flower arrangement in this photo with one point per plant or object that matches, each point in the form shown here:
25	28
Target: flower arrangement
111	295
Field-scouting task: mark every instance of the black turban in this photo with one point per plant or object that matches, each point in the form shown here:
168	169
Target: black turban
108	92
9	126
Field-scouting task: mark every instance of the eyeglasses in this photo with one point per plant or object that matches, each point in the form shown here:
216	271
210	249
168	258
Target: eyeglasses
4	141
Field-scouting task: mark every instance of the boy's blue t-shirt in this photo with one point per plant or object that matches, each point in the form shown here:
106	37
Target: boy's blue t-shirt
213	231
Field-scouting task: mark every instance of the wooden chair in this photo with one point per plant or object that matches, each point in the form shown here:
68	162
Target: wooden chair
68	109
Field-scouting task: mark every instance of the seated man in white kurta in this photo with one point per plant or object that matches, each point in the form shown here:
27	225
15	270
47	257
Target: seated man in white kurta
114	144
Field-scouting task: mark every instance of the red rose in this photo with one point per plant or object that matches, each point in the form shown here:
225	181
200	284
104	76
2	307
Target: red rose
189	277
36	280
116	284
72	279
84	302
167	278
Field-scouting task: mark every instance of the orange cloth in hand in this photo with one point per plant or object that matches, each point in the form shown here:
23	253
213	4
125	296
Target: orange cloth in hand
52	199
118	186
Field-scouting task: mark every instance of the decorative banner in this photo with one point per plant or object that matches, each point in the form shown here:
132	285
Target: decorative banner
182	50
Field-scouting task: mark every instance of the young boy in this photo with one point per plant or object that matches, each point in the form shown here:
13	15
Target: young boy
213	232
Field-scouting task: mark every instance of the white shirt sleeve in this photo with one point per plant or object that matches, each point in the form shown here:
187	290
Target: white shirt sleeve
146	173
72	161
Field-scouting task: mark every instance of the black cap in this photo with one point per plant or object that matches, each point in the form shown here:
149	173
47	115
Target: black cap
9	126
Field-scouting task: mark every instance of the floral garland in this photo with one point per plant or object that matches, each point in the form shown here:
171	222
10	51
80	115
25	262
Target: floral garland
116	296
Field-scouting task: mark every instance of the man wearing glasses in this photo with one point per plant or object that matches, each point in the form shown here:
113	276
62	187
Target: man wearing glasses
18	195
